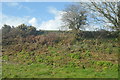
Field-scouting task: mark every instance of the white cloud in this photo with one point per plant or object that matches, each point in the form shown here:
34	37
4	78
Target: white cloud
15	21
33	21
11	20
53	24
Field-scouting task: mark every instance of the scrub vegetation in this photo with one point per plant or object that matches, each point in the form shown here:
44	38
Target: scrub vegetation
31	53
56	54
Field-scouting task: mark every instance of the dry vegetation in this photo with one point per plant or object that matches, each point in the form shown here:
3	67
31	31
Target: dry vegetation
60	53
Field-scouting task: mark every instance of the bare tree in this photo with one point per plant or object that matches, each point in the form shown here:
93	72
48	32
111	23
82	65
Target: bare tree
108	13
74	18
118	5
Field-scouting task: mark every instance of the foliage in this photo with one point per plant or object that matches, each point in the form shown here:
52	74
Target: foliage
60	54
31	53
6	29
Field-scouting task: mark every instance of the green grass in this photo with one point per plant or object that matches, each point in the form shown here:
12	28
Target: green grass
85	59
46	71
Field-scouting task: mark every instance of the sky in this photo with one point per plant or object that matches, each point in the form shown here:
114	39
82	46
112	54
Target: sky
42	15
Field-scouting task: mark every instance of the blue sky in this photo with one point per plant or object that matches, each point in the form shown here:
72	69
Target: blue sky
33	9
42	15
